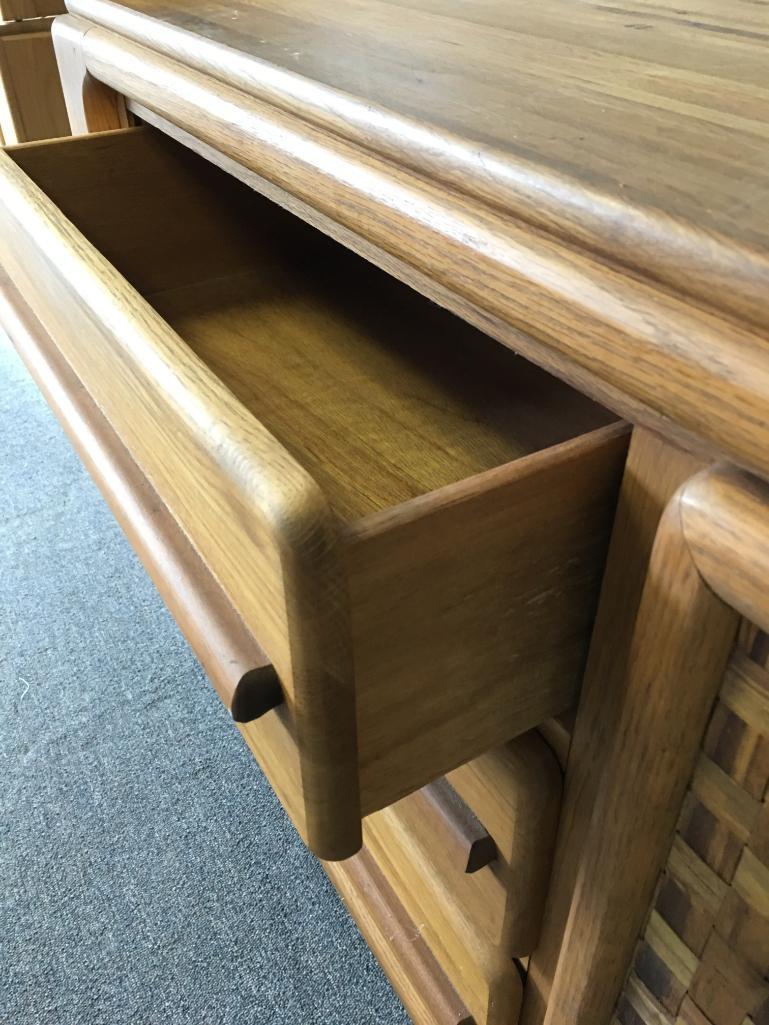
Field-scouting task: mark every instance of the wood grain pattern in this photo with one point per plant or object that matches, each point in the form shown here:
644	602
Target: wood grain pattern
725	518
654	470
718	525
395	938
475	924
264	529
607	124
681	642
31	100
348	575
660	352
468	843
558	364
233	661
516	790
448	908
425	655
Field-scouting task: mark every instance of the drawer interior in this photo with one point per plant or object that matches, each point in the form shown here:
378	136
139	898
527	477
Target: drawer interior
410	520
381	395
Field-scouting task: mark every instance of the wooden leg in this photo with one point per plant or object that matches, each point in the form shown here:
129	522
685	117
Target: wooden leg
654	470
91	105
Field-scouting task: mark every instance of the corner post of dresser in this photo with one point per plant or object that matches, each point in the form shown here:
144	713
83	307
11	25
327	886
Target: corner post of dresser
708	567
91	105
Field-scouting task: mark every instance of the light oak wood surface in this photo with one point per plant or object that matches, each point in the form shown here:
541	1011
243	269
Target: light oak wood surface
31	99
90	105
578	117
343	456
649	329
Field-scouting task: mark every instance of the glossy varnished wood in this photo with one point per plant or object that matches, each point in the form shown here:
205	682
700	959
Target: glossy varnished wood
580	117
725	515
476	924
708	564
329	442
238	668
652	340
655	469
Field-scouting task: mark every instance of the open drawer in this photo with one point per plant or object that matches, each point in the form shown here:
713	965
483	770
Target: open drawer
409	519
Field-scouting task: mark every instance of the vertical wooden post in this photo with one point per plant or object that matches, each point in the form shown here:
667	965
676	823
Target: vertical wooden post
655	469
91	105
709	565
681	643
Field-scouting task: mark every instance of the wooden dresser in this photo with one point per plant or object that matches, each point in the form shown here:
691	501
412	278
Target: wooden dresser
421	351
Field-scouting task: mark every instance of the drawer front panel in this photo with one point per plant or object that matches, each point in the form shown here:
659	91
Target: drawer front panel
409	519
254	515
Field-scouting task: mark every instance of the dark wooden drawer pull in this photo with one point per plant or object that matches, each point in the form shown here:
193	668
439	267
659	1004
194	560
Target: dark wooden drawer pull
470	843
257	692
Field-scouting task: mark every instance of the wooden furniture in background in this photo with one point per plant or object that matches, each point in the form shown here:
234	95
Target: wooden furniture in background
586	184
17	10
31	98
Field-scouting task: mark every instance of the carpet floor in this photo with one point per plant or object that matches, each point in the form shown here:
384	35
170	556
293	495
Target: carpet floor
147	872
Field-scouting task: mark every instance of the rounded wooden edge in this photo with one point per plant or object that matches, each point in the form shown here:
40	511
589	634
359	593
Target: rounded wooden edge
656	244
725	517
268	483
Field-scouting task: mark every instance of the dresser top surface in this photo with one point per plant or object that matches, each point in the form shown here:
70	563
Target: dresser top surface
648	105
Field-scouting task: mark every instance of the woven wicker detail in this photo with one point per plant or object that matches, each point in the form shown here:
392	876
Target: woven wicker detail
704	955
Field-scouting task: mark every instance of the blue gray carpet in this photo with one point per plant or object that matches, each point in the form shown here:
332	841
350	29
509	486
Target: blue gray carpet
148	874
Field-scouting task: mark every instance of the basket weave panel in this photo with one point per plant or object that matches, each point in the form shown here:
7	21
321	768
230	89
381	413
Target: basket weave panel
704	956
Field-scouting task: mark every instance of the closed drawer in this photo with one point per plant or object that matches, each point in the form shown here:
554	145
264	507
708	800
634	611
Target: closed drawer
476	921
410	520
